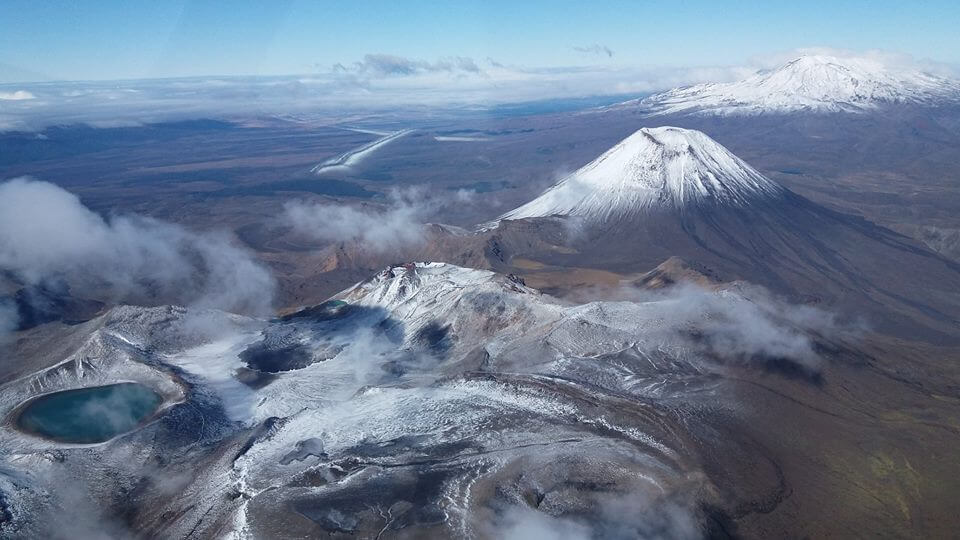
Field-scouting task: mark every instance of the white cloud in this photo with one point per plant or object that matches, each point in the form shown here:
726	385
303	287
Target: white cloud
17	95
520	523
379	228
745	326
47	233
634	514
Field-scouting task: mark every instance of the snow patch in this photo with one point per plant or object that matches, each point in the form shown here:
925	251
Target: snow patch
344	162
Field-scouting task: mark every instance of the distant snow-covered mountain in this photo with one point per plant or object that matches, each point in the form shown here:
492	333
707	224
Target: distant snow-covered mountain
813	83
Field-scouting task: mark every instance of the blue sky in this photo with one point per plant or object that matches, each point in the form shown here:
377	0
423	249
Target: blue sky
59	40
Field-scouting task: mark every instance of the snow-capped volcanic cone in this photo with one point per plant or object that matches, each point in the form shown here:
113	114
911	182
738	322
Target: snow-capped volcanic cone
671	192
665	167
809	83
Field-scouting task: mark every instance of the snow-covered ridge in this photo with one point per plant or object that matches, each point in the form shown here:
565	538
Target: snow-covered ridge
653	168
426	285
812	83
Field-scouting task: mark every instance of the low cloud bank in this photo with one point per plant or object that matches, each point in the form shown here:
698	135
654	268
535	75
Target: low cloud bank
47	234
377	82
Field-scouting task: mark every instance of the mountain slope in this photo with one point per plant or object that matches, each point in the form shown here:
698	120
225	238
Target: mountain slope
814	83
770	236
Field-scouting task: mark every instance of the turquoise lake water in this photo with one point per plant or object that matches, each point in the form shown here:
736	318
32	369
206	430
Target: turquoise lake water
89	415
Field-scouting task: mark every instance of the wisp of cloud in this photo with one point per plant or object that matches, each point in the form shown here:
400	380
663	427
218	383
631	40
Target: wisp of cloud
379	228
